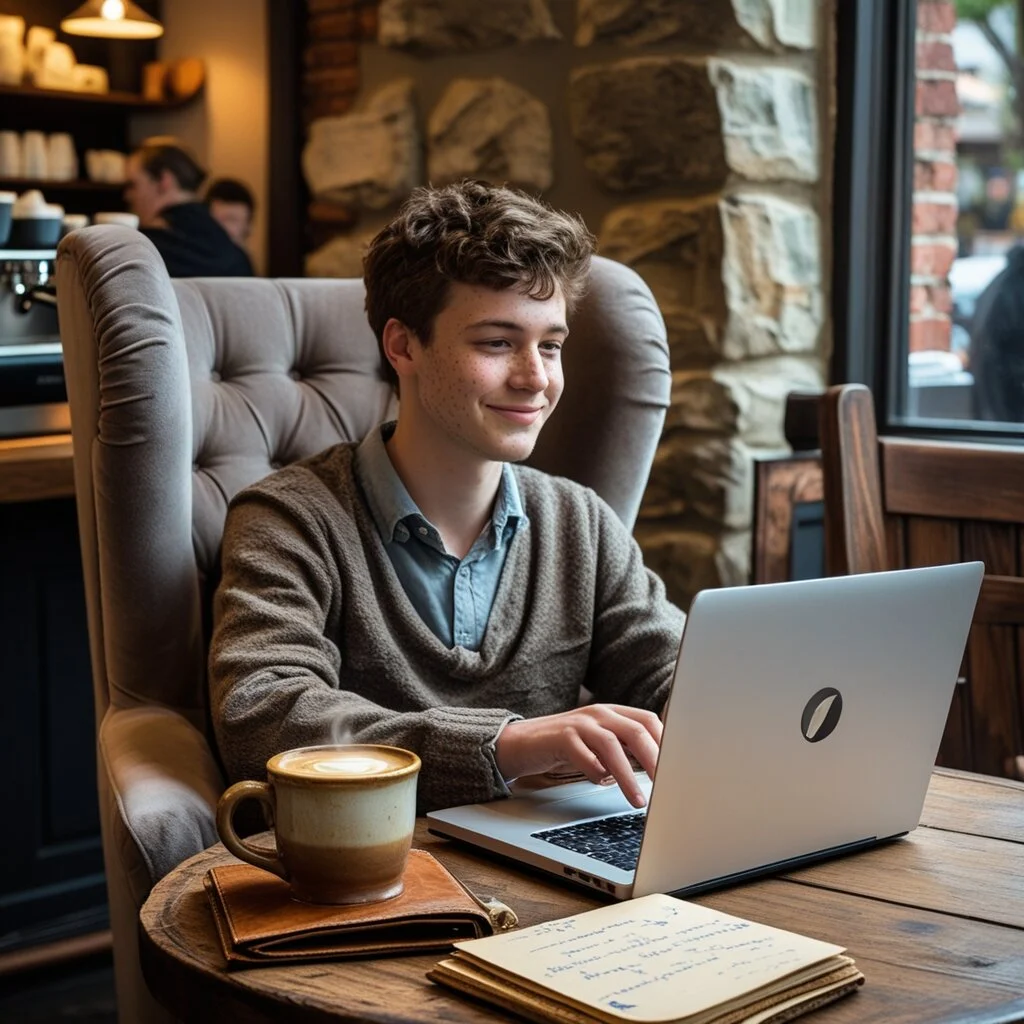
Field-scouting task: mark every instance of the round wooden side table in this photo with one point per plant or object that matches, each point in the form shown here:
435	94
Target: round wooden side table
185	969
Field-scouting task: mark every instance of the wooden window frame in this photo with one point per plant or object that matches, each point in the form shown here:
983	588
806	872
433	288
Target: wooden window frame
872	203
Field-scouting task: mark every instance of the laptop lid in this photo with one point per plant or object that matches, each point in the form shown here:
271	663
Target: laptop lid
804	718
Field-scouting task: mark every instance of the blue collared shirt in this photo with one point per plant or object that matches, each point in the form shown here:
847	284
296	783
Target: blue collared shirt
453	597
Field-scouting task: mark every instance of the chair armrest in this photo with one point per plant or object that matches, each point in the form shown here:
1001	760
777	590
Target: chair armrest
164	782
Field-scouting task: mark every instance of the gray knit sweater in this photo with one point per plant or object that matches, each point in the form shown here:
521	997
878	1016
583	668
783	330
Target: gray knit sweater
315	640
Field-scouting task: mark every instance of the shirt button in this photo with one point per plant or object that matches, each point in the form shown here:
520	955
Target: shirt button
423	531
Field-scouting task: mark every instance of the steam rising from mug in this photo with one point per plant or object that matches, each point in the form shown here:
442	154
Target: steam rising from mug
341	731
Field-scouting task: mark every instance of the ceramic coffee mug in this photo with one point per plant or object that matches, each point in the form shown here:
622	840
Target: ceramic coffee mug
34	155
127	220
61	158
11	165
343	820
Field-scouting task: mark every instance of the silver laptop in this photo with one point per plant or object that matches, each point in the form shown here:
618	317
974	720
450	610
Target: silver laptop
803	722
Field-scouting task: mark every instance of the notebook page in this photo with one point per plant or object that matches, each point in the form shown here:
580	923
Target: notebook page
651	959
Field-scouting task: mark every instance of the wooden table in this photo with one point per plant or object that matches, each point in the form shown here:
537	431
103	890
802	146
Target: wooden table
935	921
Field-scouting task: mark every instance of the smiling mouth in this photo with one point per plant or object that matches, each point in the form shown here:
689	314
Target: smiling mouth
517	414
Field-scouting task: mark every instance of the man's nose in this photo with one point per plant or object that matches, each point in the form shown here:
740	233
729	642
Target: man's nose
529	371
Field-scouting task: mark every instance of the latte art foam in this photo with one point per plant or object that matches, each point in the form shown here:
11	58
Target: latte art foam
337	762
350	766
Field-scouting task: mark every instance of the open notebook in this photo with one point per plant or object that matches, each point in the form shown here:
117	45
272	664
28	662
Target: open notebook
655	960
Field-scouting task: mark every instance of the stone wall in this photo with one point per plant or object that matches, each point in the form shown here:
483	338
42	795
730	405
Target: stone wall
933	232
692	135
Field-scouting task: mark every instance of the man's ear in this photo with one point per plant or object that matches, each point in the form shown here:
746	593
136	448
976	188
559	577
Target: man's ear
167	182
400	346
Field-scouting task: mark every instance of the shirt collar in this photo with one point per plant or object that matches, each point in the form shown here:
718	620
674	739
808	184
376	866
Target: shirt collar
390	503
508	507
386	495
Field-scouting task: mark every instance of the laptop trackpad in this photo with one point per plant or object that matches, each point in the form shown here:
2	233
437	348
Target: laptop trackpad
561	804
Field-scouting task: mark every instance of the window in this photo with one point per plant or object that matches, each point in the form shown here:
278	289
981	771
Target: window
929	216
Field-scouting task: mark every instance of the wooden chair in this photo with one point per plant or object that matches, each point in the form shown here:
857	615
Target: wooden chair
894	502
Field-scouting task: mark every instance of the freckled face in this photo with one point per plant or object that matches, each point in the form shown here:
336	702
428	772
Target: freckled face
492	372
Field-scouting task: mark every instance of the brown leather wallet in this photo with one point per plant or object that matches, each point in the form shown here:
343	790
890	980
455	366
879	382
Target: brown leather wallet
260	922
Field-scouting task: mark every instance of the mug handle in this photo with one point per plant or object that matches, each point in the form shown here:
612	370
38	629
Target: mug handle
226	806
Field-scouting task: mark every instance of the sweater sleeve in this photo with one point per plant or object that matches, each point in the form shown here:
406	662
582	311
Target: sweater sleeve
636	628
275	670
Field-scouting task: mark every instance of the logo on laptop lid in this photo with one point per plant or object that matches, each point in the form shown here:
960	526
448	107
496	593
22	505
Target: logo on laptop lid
821	715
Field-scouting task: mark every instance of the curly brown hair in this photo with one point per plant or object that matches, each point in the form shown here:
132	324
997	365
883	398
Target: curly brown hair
473	233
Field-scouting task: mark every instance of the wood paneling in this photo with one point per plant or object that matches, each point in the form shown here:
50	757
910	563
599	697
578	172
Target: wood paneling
51	865
992	657
961	481
1001	602
894	502
780	484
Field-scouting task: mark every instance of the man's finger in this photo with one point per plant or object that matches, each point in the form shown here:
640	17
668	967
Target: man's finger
648	719
583	759
644	748
609	750
638	731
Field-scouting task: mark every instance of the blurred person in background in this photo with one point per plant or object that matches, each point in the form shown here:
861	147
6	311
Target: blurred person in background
996	358
163	182
232	205
998	203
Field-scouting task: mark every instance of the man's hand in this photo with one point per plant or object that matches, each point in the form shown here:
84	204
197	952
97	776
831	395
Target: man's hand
592	739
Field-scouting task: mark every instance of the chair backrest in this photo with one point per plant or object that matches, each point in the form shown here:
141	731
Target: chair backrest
899	502
184	392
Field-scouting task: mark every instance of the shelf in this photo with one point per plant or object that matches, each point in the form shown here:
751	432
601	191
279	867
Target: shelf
21	184
109	99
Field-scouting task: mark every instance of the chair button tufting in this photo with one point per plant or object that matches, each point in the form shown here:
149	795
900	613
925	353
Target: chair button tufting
294	374
274	464
215	376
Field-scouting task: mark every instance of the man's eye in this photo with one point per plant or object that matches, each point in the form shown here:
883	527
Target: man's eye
495	343
551	347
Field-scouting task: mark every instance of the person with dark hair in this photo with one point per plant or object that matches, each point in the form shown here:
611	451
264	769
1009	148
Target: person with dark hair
232	206
996	352
422	588
162	189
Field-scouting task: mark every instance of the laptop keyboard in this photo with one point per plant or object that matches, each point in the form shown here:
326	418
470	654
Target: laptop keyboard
614	840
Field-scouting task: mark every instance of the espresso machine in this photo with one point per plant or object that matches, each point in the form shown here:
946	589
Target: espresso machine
33	399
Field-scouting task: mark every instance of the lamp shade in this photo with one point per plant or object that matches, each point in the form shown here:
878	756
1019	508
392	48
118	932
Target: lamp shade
111	19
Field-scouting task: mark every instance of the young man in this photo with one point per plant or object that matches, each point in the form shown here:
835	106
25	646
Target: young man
162	189
232	206
421	588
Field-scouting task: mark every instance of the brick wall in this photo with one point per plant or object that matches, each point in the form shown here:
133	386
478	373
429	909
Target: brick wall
330	84
934	216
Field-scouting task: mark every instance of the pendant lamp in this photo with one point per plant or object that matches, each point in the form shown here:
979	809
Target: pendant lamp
112	19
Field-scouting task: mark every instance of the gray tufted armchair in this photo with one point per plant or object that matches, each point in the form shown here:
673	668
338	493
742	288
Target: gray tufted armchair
184	392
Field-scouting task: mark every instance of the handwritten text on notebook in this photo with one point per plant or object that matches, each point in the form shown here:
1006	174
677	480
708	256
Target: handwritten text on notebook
647	956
